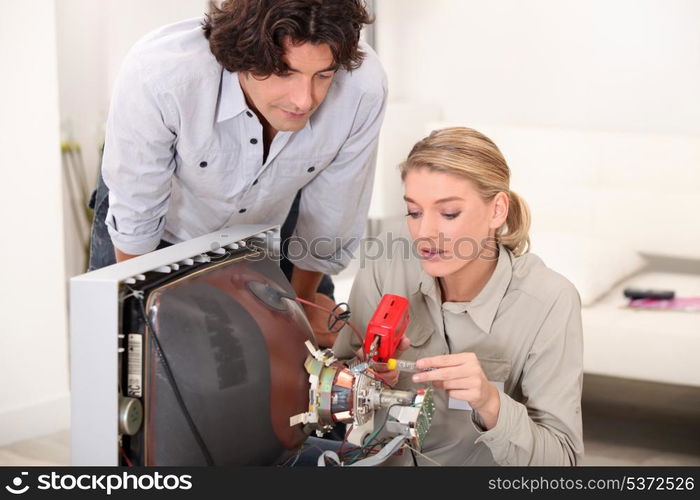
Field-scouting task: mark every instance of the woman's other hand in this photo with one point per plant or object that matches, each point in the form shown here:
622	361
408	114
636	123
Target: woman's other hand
462	377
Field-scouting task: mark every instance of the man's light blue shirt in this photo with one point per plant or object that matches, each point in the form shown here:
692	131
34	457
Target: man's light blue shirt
184	153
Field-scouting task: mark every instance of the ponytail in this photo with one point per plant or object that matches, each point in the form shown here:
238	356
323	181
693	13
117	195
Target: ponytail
516	238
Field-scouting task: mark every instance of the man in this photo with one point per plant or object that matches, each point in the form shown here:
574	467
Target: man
226	122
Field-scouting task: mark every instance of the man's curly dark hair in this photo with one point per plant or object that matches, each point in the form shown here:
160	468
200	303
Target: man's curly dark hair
249	35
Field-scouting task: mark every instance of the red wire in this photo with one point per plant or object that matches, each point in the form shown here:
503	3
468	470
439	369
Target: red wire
380	378
345	440
126	459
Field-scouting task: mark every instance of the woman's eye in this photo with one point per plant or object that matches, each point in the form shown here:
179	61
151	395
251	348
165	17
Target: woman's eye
325	76
413	215
451	216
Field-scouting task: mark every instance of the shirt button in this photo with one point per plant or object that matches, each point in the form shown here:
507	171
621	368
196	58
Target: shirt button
250	115
255	182
311	169
253	141
242	210
203	164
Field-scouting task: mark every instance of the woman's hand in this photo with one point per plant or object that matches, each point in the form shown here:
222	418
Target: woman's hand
389	377
462	377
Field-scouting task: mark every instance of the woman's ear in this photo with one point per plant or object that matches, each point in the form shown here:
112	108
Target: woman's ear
499	211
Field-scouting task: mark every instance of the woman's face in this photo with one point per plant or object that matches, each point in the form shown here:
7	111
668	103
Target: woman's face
450	223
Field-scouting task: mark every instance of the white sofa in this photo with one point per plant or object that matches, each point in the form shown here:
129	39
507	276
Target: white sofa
605	207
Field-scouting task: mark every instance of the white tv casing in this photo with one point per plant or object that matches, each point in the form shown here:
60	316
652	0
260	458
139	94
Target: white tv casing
95	316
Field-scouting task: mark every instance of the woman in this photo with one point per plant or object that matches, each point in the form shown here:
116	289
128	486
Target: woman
500	331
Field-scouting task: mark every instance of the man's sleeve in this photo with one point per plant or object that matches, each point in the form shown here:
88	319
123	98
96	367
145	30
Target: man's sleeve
548	430
138	161
334	206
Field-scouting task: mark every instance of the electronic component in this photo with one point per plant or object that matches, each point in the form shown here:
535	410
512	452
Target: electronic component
189	355
386	328
339	393
403	365
195	354
130	415
413	420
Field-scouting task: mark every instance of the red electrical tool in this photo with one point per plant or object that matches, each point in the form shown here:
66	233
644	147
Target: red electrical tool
386	328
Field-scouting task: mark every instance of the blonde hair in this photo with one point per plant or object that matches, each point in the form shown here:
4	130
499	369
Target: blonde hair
466	153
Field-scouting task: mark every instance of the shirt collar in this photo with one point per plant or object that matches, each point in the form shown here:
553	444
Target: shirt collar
485	305
232	101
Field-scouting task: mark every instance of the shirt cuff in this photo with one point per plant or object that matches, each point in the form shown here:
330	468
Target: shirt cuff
134	244
508	431
501	431
310	263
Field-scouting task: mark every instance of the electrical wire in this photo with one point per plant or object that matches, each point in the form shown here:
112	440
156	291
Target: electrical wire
392	447
374	435
345	440
334	318
413	456
126	459
413	450
291	461
339	319
366	449
374	375
173	384
343	318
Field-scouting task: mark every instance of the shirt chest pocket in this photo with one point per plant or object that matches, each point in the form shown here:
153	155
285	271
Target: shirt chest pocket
295	173
497	370
211	172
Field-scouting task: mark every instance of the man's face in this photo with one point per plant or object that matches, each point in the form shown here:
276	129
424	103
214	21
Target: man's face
287	101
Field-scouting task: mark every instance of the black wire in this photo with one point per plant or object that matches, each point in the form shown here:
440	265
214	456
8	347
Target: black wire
337	320
413	454
175	388
386	419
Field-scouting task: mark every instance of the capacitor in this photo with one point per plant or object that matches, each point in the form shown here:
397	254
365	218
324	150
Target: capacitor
130	415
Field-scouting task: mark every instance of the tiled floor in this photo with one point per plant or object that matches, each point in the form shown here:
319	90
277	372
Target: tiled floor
625	423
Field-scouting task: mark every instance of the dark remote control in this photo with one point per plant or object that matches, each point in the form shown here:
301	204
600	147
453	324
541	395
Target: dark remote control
638	293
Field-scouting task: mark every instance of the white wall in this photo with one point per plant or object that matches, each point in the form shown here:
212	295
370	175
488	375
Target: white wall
623	65
79	44
82	73
93	37
129	20
33	343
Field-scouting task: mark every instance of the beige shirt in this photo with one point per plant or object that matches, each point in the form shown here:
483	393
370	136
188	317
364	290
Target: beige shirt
524	327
